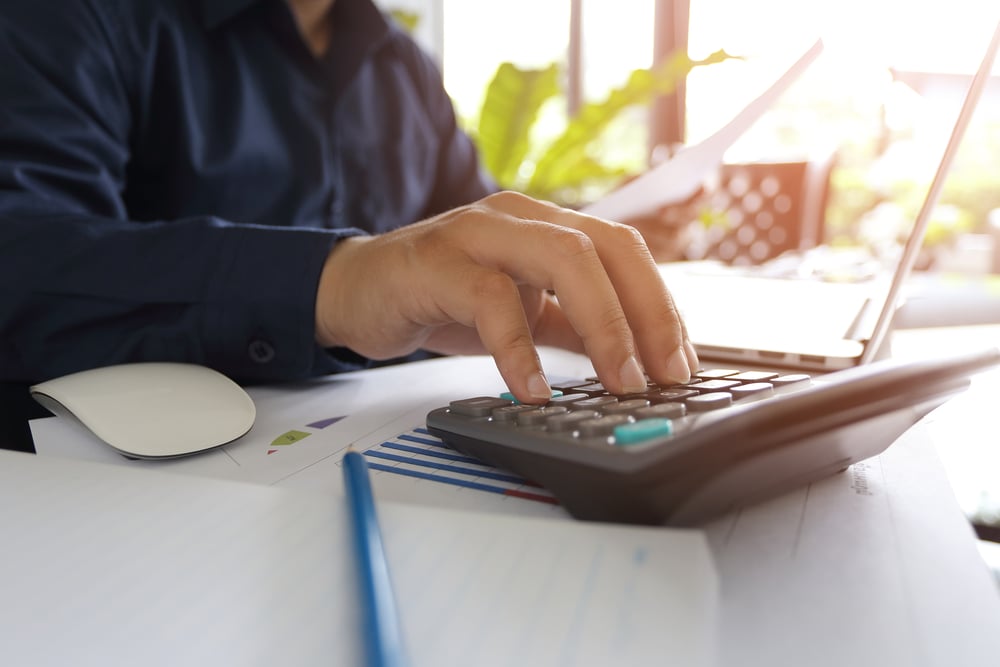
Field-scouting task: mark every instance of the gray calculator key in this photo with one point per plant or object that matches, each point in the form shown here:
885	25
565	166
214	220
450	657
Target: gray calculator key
711	401
625	407
566	386
566	399
508	413
661	411
783	380
753	376
569	421
710	373
538	416
602	425
671	395
480	406
751	389
595	403
594	388
713	385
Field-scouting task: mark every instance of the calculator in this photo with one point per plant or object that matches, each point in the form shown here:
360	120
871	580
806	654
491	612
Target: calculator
683	454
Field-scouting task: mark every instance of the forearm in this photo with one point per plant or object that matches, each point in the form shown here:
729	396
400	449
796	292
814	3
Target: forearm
81	292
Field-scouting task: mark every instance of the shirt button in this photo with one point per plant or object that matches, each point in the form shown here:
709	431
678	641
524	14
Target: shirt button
261	351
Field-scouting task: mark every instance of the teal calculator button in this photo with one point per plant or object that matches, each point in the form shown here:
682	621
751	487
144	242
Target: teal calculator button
510	397
642	430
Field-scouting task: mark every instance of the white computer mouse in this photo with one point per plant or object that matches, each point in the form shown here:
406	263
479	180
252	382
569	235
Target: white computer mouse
152	410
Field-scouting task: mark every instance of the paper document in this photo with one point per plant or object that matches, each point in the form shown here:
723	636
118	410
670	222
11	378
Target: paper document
111	566
303	429
876	566
679	178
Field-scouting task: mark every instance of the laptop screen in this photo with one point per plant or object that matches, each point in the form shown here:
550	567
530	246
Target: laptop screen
919	231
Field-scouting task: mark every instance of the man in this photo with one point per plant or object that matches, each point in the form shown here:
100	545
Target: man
277	190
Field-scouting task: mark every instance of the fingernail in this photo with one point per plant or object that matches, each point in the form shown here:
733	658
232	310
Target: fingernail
694	364
538	387
632	377
677	367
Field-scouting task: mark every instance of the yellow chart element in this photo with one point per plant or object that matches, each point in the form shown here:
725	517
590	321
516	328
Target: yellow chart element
289	438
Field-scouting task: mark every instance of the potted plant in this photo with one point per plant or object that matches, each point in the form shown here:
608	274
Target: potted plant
570	168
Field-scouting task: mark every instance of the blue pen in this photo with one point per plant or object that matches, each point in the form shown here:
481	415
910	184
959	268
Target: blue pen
383	634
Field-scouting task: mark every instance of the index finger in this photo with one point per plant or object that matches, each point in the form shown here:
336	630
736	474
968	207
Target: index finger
605	280
651	313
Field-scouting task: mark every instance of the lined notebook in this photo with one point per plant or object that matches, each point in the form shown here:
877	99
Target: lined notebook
108	565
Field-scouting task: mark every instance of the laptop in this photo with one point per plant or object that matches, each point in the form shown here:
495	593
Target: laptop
738	316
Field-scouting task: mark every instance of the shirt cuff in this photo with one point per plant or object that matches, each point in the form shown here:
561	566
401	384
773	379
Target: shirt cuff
261	311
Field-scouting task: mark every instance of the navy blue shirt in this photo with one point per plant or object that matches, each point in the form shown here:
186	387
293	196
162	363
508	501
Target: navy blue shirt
173	174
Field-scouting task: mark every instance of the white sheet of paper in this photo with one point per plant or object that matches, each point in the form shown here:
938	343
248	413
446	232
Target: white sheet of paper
679	178
373	406
862	568
876	566
108	566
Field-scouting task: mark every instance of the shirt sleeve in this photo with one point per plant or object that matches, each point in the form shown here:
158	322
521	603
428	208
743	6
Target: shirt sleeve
82	285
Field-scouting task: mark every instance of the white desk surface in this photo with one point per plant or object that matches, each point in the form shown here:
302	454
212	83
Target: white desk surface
876	566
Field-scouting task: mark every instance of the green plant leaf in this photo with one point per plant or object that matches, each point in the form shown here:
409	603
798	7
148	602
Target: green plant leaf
571	148
509	111
584	172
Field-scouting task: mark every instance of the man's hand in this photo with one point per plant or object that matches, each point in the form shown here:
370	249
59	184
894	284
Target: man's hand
478	279
669	231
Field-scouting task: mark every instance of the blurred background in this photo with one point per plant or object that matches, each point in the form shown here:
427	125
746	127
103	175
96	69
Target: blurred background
872	115
881	100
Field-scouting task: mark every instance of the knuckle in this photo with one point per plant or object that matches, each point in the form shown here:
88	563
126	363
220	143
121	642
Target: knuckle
491	288
504	198
625	235
571	244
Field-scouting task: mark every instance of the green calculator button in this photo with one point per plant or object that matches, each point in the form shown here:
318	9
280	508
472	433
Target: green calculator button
642	430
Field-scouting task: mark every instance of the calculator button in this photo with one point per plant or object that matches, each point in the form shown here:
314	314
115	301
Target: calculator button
783	380
602	425
753	376
710	401
594	403
480	406
508	413
569	421
510	397
713	385
751	389
671	395
641	431
538	416
662	410
565	386
594	389
566	399
711	373
625	407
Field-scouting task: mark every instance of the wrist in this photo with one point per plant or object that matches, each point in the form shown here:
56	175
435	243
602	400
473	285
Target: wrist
333	280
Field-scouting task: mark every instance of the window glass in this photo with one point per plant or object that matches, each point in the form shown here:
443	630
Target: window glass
885	94
616	38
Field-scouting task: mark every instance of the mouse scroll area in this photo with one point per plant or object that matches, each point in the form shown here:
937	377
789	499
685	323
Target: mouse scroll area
154	410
